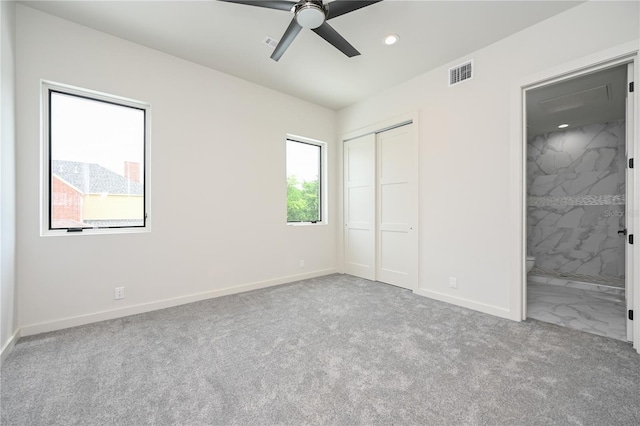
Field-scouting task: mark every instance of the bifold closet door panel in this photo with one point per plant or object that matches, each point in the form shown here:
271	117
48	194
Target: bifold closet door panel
396	208
360	206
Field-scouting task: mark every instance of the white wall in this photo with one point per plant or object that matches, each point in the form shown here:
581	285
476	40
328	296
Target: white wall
8	324
465	198
218	186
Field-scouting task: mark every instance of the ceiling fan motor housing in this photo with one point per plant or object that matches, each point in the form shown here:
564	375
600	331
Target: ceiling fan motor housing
310	14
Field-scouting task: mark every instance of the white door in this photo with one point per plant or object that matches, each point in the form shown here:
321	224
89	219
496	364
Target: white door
359	206
629	208
396	209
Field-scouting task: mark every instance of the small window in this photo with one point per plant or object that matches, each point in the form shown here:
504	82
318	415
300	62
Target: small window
95	161
304	181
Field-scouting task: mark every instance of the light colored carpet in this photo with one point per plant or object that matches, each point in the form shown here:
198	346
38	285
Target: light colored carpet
332	350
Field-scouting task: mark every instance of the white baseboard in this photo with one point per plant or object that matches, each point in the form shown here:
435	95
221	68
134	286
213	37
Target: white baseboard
60	324
466	303
8	347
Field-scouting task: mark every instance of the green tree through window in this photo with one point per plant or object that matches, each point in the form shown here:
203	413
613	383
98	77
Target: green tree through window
303	182
302	200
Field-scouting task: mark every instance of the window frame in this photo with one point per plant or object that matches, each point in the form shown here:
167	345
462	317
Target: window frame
46	181
322	196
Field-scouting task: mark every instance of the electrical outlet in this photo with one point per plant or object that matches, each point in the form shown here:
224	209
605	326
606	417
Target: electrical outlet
119	293
453	282
301	263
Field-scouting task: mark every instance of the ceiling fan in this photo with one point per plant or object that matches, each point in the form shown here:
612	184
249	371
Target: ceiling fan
312	14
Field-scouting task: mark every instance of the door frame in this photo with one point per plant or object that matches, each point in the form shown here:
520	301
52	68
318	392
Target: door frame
619	55
631	202
378	127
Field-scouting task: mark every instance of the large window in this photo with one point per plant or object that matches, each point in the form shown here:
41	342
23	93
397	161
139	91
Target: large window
304	181
95	161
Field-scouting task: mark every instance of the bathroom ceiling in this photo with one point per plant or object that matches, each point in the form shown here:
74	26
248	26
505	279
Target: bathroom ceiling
230	38
594	98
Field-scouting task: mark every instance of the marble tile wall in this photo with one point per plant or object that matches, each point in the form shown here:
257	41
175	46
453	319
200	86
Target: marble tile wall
576	186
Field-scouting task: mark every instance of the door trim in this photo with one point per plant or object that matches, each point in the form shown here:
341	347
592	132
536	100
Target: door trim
631	203
381	126
625	53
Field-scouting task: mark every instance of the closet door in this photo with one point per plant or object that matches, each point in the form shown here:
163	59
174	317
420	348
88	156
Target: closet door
397	242
359	206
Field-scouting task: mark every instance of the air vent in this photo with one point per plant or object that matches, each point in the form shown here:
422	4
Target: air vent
577	99
270	41
460	73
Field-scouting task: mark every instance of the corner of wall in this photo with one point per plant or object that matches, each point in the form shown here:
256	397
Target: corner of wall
8	325
8	347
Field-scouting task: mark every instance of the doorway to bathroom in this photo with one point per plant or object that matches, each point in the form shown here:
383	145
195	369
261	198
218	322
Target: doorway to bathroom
579	196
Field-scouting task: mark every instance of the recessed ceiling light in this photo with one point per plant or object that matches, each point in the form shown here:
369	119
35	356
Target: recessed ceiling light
391	39
562	126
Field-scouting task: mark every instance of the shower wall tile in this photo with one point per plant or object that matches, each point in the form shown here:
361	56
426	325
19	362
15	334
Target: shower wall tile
577	239
577	155
576	199
573	281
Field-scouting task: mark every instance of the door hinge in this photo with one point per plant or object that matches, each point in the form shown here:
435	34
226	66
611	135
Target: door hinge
630	238
631	163
631	86
631	314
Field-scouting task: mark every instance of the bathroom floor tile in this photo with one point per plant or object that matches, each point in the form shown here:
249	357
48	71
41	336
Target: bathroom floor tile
590	311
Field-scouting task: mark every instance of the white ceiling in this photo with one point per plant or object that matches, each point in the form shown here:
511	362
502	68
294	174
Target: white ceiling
575	106
229	38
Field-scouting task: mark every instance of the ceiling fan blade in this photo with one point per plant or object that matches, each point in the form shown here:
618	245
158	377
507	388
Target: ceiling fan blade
292	31
340	7
270	4
327	32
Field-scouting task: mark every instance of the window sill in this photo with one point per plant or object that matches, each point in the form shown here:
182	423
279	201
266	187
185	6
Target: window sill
92	231
305	223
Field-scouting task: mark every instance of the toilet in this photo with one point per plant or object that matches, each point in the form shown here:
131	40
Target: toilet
531	260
